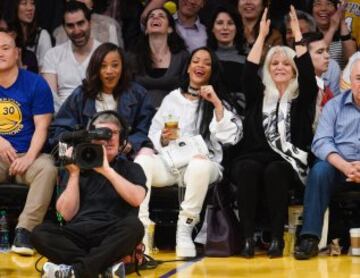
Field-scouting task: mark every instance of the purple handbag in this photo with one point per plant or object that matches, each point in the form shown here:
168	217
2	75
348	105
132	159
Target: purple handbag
223	228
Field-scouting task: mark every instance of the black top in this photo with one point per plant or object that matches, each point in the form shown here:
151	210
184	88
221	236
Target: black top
28	59
159	86
254	144
157	72
99	200
233	64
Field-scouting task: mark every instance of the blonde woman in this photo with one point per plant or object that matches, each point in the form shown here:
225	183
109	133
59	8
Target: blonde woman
273	154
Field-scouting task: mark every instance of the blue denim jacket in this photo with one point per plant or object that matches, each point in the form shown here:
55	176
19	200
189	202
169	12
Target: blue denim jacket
134	106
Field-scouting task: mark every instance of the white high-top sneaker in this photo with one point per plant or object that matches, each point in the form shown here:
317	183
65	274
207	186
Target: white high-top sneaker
185	247
148	239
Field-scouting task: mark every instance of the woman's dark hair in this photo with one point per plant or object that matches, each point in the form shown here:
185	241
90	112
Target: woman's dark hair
265	4
334	2
216	80
32	28
310	37
92	83
142	49
234	15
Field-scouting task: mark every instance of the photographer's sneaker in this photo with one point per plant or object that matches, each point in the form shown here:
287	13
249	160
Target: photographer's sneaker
117	270
51	270
22	244
185	247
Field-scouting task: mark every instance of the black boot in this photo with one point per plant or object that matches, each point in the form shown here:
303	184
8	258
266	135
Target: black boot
248	248
307	248
276	248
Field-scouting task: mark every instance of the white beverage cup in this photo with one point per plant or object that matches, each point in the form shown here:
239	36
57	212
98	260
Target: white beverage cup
355	241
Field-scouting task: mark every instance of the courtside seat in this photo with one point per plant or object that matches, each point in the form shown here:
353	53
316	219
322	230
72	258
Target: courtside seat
164	210
12	200
12	195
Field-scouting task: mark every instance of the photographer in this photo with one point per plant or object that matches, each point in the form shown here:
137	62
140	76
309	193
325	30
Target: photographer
100	210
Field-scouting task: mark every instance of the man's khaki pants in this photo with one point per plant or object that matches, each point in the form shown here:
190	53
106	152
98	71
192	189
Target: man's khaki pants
41	178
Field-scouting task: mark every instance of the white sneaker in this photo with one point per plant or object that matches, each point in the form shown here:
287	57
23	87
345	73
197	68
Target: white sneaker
185	247
51	270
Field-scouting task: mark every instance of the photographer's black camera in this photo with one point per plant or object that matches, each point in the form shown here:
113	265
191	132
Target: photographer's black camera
85	154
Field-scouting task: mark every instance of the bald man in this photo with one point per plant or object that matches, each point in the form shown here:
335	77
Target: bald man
26	108
337	147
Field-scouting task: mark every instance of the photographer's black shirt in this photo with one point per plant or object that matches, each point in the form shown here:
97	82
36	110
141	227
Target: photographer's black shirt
99	201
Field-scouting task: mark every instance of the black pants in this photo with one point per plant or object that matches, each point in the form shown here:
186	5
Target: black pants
269	181
89	247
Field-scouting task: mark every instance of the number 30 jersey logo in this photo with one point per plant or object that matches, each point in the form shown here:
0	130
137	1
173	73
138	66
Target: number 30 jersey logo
10	117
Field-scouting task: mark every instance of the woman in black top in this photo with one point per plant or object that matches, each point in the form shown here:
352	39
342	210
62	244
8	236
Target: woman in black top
160	56
225	37
277	133
29	34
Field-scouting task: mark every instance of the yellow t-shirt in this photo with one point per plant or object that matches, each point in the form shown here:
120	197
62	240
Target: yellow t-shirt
352	18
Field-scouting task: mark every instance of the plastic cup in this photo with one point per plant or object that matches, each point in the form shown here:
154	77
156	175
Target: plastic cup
172	123
355	241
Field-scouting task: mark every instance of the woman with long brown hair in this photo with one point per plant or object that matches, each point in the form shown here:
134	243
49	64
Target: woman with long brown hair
159	55
29	34
107	86
250	12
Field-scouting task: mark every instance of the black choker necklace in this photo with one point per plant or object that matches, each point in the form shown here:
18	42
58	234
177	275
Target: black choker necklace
193	91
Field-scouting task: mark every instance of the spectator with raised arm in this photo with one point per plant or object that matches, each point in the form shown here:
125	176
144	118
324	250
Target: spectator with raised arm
329	16
307	24
273	154
250	12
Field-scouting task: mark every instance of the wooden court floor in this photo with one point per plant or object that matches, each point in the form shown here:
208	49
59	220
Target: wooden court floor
12	265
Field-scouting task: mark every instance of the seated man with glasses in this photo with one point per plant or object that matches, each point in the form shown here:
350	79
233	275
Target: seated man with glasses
100	207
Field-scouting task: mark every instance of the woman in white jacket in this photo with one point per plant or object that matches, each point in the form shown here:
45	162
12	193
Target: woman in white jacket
201	107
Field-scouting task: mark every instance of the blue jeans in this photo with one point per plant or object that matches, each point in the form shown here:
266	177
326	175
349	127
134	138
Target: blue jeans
323	181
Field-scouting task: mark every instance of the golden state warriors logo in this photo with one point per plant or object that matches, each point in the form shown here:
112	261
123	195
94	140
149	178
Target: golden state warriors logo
10	117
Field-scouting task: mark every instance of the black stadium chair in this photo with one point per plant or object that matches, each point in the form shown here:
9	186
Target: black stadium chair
344	214
12	199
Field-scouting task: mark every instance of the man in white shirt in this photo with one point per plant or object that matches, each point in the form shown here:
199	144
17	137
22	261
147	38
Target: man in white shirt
103	28
65	65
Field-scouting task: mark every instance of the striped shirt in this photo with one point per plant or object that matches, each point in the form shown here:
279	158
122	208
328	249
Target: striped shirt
336	53
338	130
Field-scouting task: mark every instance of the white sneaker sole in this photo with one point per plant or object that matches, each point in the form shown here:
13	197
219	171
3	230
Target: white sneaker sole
23	250
185	252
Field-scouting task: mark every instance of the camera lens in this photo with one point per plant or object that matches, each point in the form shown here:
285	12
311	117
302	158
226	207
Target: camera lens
88	154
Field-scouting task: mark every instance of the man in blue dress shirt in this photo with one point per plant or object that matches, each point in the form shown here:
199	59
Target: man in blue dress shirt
337	147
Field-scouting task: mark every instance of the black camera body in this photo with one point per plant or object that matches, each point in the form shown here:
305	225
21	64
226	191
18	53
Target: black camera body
85	154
